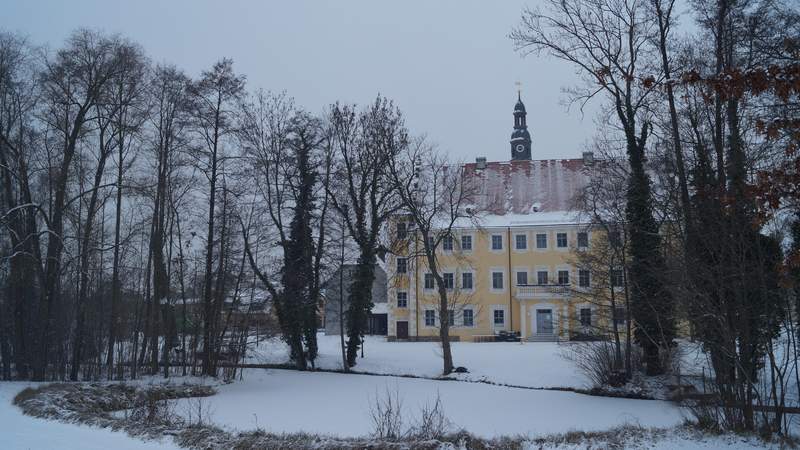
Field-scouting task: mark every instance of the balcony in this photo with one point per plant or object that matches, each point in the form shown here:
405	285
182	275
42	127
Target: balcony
542	290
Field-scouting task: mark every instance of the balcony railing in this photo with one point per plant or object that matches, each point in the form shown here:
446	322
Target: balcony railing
542	290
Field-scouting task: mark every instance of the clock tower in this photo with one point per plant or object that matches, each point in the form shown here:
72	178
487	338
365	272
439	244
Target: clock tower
520	138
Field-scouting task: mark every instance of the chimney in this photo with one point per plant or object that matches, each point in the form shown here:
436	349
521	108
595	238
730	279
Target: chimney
588	158
480	162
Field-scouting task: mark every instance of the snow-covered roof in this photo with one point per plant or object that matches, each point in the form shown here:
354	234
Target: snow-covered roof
380	308
528	192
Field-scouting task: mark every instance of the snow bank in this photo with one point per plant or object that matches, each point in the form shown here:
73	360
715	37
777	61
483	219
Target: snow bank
19	432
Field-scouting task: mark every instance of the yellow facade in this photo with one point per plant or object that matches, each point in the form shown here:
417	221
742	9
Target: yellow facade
539	307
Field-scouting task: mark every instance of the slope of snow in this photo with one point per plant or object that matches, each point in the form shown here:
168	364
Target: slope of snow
339	404
532	364
21	432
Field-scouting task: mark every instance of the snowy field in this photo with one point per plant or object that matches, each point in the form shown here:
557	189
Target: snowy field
339	404
531	364
20	432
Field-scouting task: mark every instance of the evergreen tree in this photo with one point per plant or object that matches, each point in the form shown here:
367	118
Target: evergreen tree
652	306
298	310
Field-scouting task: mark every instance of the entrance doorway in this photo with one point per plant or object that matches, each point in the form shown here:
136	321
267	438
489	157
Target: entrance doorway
402	329
544	321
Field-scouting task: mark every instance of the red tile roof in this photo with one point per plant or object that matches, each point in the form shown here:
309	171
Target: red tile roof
525	187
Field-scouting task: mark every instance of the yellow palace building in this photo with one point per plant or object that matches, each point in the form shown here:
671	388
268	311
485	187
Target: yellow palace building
513	272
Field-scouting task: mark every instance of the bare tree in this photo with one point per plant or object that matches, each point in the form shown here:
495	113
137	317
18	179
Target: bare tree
18	212
290	164
215	99
365	145
608	41
437	197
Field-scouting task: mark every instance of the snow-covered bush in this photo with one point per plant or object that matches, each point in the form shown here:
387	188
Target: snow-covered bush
599	361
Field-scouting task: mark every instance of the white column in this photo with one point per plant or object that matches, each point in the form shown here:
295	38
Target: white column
565	320
523	322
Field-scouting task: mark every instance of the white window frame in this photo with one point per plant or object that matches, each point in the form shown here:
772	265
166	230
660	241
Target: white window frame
471	242
461	281
546	241
566	246
424	277
519	270
397	264
493	271
516	236
452	240
472	311
592	317
505	317
542	269
502	243
425	318
453	279
397	299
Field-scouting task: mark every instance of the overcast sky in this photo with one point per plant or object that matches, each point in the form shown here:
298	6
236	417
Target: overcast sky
449	65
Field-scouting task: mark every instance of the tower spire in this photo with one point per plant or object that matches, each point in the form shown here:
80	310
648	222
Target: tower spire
520	138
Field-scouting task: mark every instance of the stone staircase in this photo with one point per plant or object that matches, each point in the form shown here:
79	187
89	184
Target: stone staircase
543	338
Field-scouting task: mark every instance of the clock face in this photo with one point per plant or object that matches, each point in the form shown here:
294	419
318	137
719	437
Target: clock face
520	148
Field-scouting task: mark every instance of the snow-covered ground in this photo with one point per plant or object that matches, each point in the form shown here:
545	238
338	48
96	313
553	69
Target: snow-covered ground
339	404
532	364
21	432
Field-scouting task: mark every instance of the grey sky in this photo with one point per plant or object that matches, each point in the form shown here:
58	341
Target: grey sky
449	65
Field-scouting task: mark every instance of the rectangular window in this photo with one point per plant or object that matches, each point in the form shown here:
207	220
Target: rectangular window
586	317
497	242
563	277
448	280
497	280
429	283
619	315
541	240
583	278
499	317
521	241
430	318
431	243
616	278
447	243
561	240
402	230
541	277
466	243
469	319
402	265
466	280
402	299
522	278
451	317
583	239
